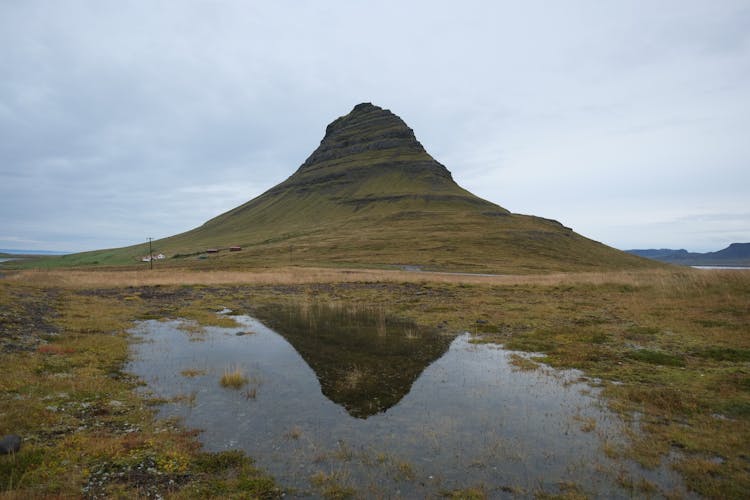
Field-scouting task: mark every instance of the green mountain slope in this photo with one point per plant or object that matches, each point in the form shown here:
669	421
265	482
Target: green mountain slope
370	195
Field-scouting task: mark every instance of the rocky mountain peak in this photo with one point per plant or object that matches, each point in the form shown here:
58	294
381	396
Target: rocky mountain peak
365	129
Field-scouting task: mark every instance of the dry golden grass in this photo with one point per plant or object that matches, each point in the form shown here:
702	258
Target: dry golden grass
233	378
522	363
669	278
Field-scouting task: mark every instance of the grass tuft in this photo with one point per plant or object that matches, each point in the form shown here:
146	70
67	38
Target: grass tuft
332	486
233	378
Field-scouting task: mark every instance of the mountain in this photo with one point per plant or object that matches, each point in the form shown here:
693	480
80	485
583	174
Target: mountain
736	254
370	195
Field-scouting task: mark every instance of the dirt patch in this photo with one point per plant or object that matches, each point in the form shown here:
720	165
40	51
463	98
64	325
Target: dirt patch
27	320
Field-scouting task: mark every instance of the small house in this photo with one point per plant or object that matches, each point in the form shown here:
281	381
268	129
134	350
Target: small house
235	249
149	258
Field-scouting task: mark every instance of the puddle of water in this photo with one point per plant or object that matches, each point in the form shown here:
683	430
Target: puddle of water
383	406
364	360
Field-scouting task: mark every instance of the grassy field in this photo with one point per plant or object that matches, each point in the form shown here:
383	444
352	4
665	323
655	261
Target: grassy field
430	237
671	348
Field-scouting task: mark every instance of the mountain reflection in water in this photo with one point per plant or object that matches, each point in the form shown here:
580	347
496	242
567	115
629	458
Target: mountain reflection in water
384	407
365	360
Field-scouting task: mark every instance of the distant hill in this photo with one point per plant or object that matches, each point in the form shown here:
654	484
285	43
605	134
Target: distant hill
28	258
370	195
736	254
7	251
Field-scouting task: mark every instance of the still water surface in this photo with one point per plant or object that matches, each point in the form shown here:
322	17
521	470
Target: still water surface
726	268
384	407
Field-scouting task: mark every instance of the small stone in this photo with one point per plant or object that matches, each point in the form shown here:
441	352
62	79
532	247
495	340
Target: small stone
10	444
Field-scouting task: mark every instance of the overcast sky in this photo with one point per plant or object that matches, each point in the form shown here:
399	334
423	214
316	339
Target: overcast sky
628	121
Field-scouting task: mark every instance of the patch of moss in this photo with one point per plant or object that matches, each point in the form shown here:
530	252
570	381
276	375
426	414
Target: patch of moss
724	354
642	330
598	338
737	409
656	357
710	323
476	493
14	468
536	341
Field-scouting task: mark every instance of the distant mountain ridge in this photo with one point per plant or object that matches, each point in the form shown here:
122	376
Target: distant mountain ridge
736	254
9	251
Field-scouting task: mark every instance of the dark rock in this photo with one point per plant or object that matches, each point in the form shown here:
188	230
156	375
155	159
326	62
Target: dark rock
10	444
369	128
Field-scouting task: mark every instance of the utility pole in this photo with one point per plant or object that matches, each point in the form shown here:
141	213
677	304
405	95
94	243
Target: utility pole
150	254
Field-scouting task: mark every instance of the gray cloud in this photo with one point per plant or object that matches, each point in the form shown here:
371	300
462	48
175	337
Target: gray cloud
123	122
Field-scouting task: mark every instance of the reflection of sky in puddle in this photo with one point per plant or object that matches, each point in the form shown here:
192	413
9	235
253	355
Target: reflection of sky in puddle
469	420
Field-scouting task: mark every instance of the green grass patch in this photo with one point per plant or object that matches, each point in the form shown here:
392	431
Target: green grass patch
647	331
738	409
599	338
656	357
724	354
710	323
536	341
15	469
